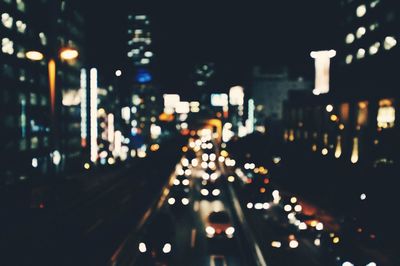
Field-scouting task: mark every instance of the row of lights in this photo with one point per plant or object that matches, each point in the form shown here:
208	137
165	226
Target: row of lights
388	44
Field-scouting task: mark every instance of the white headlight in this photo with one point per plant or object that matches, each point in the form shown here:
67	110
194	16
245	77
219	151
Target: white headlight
216	192
371	264
210	231
142	247
287	208
258	206
298	208
266	205
293	244
185	201
176	182
185	182
302	226
214	176
204	192
347	263
167	248
320	226
249	205
276	244
230	230
171	201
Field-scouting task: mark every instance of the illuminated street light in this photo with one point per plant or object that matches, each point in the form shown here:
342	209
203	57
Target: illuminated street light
69	53
34	55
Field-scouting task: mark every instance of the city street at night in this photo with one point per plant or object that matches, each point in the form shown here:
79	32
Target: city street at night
138	133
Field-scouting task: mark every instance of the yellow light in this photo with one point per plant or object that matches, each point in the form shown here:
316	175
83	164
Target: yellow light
184	149
335	240
34	55
314	223
314	147
354	153
262	190
341	126
68	54
324	151
291	135
86	166
338	150
293	200
334	118
231	178
224	153
154	147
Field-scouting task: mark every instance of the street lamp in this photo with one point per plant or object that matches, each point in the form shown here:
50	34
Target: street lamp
67	54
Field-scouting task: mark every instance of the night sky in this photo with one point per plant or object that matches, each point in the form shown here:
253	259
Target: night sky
234	36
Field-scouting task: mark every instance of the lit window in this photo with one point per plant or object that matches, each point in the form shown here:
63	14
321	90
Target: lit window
374	3
350	38
21	5
360	32
374	26
389	42
373	49
7	20
360	53
43	39
7	46
386	114
349	59
361	10
21	27
362	118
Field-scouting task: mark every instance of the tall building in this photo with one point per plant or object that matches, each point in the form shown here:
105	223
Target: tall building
26	102
144	100
24	95
368	54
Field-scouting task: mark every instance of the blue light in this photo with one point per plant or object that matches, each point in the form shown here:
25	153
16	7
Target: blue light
143	76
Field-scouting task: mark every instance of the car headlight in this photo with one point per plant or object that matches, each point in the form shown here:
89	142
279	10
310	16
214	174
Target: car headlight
185	182
230	230
176	182
204	192
167	248
216	192
249	205
210	230
185	201
293	243
142	247
171	201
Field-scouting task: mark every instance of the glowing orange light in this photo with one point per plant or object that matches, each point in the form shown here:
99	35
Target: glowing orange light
69	54
184	148
52	83
262	190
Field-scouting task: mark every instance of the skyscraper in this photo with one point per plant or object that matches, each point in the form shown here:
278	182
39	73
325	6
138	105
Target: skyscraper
28	151
369	50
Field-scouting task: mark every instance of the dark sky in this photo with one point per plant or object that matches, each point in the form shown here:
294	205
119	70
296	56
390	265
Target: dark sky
234	36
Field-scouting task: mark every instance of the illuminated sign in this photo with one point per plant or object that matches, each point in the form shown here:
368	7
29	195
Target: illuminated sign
236	95
93	115
219	99
322	65
83	92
